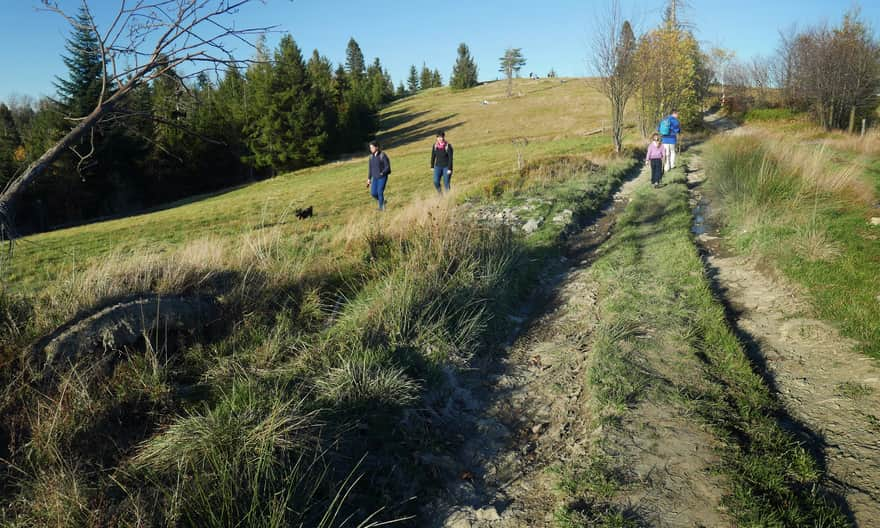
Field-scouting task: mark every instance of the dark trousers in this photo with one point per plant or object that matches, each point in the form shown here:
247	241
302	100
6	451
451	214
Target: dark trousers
656	170
377	190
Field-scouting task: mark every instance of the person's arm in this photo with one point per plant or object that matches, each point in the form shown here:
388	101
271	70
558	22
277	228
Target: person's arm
387	169
450	157
433	156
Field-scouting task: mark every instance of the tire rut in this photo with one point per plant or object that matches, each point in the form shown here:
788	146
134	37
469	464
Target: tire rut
830	391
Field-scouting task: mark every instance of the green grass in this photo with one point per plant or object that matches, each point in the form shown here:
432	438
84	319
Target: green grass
816	234
652	284
337	333
553	116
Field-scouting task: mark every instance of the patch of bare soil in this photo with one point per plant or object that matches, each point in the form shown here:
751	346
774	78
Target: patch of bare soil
823	383
527	410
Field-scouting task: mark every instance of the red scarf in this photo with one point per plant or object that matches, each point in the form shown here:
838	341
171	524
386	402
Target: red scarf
441	145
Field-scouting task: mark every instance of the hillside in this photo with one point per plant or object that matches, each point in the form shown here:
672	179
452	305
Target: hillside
554	114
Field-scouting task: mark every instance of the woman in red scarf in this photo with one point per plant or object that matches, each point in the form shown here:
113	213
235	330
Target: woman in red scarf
441	161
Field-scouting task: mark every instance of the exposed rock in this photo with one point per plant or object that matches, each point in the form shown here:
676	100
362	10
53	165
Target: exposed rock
532	225
488	514
564	217
875	221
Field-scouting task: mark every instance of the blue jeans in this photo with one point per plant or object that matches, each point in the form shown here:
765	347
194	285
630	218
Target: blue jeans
441	171
377	190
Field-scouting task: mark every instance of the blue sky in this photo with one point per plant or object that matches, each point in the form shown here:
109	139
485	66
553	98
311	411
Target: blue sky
552	33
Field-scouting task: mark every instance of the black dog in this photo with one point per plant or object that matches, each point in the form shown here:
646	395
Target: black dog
302	214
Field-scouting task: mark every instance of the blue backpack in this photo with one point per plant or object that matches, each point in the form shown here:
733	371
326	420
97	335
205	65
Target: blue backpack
665	127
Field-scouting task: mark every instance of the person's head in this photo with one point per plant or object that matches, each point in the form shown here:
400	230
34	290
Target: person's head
674	113
655	137
441	136
374	147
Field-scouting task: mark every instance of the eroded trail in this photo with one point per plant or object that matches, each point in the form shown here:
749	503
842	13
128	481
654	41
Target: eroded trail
525	410
531	413
823	383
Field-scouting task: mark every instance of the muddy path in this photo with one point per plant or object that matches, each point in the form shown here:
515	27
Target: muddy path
830	392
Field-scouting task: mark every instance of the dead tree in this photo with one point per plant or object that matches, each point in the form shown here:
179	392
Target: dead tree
614	51
145	40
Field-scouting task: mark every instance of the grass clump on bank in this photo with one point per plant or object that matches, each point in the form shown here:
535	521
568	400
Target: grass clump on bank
664	336
804	209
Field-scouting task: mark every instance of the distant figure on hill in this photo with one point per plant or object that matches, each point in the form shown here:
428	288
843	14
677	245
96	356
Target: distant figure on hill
669	129
441	162
655	156
380	168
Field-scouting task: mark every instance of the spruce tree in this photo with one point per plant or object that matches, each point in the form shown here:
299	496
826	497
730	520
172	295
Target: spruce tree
79	93
426	79
292	133
401	90
464	73
354	61
412	82
10	145
436	79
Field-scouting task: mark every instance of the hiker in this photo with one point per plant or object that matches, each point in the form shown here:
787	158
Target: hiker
669	129
655	156
441	161
380	168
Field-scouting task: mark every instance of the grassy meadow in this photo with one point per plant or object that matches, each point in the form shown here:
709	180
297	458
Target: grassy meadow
553	114
315	396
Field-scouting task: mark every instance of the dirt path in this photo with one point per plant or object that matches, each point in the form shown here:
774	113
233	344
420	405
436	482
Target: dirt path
525	410
532	412
833	391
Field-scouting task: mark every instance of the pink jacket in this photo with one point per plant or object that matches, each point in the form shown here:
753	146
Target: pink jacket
654	151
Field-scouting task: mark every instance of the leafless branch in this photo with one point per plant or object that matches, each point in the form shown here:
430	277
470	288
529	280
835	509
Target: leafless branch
144	40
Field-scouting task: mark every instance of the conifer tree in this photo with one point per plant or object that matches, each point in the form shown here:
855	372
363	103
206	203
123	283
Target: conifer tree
426	78
412	82
293	131
464	73
354	61
436	79
79	93
10	145
511	63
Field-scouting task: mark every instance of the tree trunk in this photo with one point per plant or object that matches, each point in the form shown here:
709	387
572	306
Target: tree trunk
10	196
852	119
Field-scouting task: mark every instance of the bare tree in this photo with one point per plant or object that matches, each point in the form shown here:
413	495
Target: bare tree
614	49
760	73
834	72
720	59
144	40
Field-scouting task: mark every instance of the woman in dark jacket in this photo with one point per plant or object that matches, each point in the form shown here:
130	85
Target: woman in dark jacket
441	161
380	168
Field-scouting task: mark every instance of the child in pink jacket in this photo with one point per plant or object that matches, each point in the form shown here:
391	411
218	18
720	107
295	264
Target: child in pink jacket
655	157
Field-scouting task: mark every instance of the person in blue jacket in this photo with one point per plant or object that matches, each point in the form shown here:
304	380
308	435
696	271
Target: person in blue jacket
380	168
669	129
